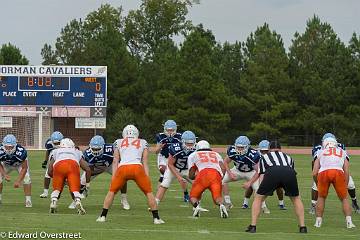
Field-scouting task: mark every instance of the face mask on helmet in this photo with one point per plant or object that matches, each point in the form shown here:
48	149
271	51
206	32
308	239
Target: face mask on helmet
97	145
242	145
9	144
188	140
130	131
170	128
55	138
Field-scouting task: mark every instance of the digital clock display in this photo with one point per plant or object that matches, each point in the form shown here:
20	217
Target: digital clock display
31	83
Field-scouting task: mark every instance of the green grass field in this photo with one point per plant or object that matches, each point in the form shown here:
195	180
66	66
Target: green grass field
137	222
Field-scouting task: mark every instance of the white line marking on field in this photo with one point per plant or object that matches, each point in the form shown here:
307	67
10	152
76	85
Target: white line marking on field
193	231
204	231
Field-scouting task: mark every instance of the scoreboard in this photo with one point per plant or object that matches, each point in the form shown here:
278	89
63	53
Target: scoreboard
70	86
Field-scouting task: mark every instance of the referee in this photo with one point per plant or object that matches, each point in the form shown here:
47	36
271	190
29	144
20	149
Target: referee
278	171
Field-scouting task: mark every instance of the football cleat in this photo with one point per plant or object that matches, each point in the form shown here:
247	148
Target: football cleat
266	210
53	205
282	207
28	204
196	212
350	225
125	204
251	229
101	219
223	211
303	229
355	206
318	223
245	206
228	205
312	209
72	205
158	221
79	207
44	195
186	198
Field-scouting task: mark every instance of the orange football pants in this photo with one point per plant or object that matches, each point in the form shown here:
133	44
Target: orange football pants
66	169
207	178
134	172
336	178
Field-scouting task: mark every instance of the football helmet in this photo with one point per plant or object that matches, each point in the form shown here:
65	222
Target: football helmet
264	145
202	145
329	142
67	143
170	128
55	139
9	144
328	135
242	144
188	140
97	145
130	131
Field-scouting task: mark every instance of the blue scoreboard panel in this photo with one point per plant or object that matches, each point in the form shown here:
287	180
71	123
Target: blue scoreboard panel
53	85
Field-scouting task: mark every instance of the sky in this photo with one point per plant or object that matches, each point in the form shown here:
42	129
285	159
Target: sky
29	24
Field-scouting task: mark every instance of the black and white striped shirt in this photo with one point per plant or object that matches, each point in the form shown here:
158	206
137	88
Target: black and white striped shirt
275	158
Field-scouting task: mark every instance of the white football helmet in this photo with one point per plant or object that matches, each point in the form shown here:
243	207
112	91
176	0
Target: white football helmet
202	145
67	143
329	143
130	131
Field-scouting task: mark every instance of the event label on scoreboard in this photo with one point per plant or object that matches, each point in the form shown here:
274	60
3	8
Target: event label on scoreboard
53	85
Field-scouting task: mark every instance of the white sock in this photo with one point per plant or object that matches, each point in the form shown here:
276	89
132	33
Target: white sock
227	199
28	198
77	194
263	205
313	202
281	202
157	201
123	196
318	220
348	219
55	194
246	201
46	191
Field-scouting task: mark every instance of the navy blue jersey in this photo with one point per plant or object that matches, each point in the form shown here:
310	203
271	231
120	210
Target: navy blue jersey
246	162
15	159
162	138
49	146
318	147
104	160
176	150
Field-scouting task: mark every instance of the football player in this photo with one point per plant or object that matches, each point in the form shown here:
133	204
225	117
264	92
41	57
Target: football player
65	163
177	164
99	156
331	167
246	161
14	157
52	143
163	142
130	163
351	184
264	147
210	168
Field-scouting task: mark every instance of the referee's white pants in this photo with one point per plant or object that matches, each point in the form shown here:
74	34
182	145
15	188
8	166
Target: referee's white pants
241	175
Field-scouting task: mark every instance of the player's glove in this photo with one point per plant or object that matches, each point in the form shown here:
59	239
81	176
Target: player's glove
44	164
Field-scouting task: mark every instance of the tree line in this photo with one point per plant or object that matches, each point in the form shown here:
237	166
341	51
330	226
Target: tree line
218	90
